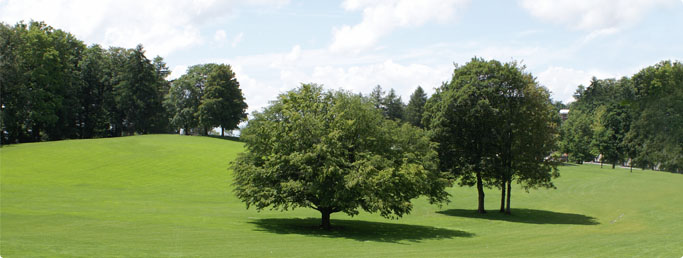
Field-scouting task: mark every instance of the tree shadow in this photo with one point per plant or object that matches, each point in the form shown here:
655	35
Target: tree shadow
526	216
357	230
229	138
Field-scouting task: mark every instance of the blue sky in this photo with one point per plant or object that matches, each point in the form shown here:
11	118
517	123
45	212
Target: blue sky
273	45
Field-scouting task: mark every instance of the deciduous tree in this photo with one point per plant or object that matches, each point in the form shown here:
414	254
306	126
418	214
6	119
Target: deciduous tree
334	152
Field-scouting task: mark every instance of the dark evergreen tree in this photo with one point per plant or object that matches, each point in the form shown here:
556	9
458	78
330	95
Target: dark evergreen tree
415	108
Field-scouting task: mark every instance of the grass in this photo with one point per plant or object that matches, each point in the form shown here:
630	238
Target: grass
170	196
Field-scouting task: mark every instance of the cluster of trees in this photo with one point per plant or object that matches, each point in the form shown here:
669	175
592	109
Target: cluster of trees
636	121
207	96
54	87
335	151
494	124
392	106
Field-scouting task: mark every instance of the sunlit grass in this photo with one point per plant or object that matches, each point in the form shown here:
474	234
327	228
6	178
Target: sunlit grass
169	195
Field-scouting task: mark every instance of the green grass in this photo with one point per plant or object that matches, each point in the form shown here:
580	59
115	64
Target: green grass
168	196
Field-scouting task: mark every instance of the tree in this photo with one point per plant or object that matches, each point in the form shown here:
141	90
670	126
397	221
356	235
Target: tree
377	98
93	118
415	108
334	152
137	92
531	137
394	106
461	119
657	127
13	91
223	104
577	133
493	124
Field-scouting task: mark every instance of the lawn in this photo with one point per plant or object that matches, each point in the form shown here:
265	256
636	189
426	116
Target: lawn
169	195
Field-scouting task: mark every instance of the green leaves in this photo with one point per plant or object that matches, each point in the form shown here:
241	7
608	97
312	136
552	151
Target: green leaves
334	151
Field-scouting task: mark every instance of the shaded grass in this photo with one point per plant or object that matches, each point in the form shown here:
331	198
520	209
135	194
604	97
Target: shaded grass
358	230
526	216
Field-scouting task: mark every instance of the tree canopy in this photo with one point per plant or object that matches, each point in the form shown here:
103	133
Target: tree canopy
493	123
333	151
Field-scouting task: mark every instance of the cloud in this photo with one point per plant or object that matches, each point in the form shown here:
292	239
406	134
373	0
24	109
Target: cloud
237	39
161	27
592	15
219	35
382	17
563	82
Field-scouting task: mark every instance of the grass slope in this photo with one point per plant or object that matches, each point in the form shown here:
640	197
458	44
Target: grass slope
168	196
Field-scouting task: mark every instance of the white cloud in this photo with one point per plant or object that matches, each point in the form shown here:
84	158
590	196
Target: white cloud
160	26
382	17
563	82
262	77
237	39
219	35
592	15
177	71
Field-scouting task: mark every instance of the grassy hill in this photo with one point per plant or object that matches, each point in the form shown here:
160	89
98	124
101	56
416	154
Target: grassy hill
169	195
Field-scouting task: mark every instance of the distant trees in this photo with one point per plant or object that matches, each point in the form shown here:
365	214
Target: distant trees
54	87
415	108
207	96
634	120
656	134
223	104
334	152
493	124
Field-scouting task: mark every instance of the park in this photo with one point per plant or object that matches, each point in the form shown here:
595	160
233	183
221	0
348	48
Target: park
515	134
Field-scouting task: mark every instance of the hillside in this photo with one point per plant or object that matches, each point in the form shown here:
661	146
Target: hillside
170	195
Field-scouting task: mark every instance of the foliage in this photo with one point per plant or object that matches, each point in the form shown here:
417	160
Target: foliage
333	152
394	106
657	128
390	104
54	87
415	108
493	122
222	104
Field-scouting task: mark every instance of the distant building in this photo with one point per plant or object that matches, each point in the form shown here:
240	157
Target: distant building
564	114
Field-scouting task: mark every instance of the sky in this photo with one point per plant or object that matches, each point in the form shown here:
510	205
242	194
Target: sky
275	45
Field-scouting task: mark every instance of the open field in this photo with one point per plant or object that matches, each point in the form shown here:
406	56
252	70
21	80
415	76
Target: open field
169	195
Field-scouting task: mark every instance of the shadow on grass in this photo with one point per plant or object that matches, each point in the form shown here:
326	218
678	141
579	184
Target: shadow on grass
230	138
358	230
526	216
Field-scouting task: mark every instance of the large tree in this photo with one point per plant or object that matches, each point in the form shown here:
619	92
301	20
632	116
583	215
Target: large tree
137	92
493	124
529	137
334	152
461	119
223	103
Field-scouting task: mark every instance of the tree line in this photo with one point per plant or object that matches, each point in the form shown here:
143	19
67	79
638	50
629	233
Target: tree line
55	87
635	121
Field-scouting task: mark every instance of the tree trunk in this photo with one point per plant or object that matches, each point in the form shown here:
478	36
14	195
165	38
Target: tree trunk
614	165
507	209
480	190
325	223
502	197
222	132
